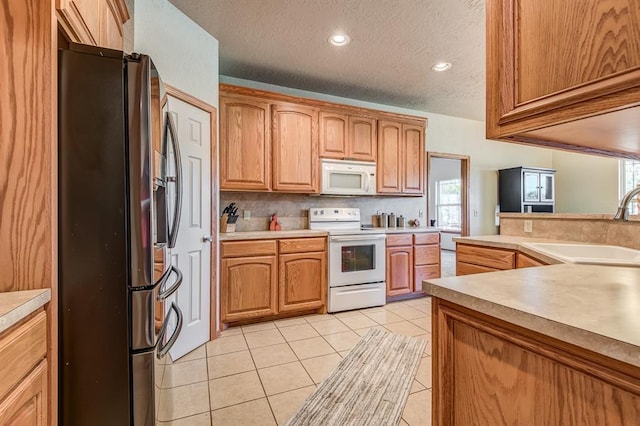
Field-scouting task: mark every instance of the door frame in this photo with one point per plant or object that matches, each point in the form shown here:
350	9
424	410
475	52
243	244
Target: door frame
465	173
185	97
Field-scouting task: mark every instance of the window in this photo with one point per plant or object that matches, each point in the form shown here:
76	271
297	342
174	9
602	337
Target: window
629	179
449	203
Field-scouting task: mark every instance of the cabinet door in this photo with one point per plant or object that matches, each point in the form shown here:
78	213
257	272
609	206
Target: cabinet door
389	157
399	270
554	68
295	149
244	144
425	272
531	186
363	141
110	26
303	281
80	19
547	187
248	287
27	404
412	159
333	135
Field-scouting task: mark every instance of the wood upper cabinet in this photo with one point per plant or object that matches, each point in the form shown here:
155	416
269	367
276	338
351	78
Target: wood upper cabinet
413	159
399	270
249	287
389	166
295	148
400	158
245	148
347	137
96	22
302	281
565	74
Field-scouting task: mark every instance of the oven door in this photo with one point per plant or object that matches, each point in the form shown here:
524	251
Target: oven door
356	259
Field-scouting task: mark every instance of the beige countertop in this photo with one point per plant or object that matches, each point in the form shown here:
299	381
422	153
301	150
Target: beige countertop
16	305
265	235
593	307
301	233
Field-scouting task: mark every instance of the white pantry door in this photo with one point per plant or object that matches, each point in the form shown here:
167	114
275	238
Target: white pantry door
192	253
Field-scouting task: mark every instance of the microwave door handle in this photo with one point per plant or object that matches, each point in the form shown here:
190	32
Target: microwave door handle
367	179
357	238
171	131
163	349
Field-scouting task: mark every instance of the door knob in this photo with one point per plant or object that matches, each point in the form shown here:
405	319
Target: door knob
207	238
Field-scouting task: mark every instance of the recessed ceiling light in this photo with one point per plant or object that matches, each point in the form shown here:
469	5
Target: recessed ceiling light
339	39
441	66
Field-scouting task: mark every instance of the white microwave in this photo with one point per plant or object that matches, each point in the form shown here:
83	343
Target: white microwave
342	177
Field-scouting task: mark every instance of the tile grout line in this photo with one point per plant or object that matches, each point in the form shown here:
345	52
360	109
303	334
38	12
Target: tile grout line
273	414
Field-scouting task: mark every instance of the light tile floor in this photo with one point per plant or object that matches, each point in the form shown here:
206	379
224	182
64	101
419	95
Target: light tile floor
260	374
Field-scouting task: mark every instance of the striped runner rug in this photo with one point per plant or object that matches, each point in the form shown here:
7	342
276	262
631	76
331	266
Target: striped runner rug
370	386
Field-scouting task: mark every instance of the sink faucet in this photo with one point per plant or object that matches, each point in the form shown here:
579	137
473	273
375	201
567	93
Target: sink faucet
623	208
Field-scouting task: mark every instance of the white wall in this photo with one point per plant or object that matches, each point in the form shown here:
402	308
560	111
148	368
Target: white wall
184	53
585	183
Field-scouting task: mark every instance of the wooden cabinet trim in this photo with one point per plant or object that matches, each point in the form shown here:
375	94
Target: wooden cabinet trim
248	248
21	348
344	109
302	245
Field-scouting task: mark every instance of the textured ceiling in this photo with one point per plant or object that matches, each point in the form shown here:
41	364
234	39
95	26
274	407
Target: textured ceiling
393	45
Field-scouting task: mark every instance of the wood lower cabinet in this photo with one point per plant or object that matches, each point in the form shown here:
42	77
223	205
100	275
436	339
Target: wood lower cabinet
489	372
295	149
565	75
23	368
264	278
411	258
249	287
473	259
302	281
95	22
245	154
400	158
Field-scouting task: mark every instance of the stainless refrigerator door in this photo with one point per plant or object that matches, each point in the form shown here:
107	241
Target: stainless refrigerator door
140	172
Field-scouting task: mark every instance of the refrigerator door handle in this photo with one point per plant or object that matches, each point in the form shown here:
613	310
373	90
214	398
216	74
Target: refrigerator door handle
163	349
165	293
171	131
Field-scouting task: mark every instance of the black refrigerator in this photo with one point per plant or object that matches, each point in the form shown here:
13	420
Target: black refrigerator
119	209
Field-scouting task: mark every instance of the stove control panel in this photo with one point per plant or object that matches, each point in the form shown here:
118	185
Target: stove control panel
334	214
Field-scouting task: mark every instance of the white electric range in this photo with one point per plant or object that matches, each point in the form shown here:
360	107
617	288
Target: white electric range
356	259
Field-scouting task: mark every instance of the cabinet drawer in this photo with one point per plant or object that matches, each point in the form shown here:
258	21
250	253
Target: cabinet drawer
21	348
248	248
301	245
426	255
399	240
484	256
468	269
526	261
424	273
426	238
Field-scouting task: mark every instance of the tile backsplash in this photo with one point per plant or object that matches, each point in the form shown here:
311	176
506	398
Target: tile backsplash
293	209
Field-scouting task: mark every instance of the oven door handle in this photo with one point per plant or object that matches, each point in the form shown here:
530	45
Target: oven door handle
357	238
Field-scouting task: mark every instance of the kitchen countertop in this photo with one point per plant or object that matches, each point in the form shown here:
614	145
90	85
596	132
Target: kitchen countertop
265	235
301	233
593	307
17	305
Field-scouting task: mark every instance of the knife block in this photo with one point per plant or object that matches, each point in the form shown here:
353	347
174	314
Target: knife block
226	227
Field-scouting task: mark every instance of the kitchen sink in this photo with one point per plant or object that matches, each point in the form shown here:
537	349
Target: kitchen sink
592	254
